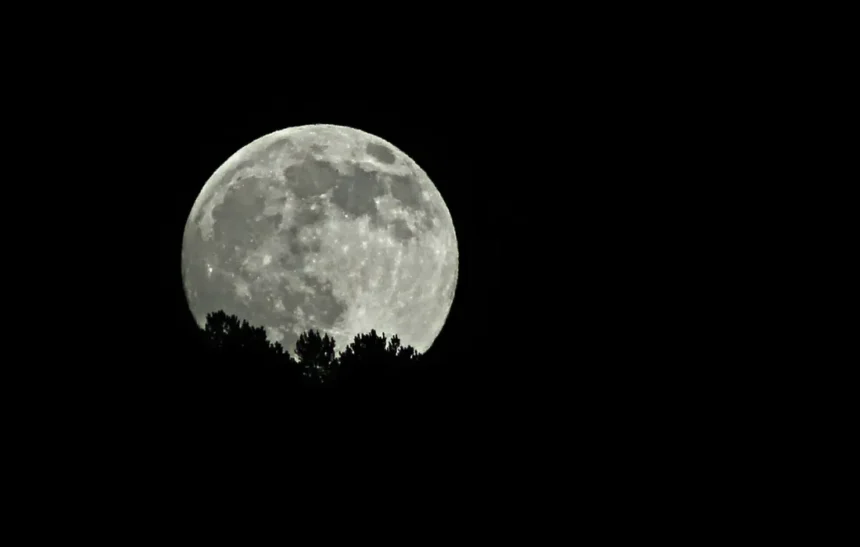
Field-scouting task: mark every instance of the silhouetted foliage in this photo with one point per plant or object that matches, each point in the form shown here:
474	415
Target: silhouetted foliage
316	356
240	350
371	358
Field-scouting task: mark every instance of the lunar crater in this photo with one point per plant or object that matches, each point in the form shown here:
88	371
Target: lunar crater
311	178
406	191
380	152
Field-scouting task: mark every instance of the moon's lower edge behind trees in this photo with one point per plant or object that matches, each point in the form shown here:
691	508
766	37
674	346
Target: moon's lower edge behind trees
322	227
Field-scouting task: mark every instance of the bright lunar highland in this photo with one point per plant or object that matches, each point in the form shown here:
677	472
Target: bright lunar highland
322	227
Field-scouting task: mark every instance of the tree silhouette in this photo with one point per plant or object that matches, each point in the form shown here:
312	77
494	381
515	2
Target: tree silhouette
371	358
241	350
316	356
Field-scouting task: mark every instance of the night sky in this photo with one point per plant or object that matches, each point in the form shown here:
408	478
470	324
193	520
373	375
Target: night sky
198	136
548	199
584	323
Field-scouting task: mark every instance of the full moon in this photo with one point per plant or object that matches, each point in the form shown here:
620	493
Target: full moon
322	227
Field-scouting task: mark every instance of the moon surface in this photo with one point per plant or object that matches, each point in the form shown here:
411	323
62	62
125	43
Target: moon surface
322	227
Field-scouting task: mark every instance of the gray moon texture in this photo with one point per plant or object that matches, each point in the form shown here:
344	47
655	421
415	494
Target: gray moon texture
322	227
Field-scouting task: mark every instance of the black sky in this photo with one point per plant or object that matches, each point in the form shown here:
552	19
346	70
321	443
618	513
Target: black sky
185	140
586	173
549	188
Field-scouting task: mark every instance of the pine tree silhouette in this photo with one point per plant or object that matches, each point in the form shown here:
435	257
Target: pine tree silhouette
316	356
241	351
372	359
